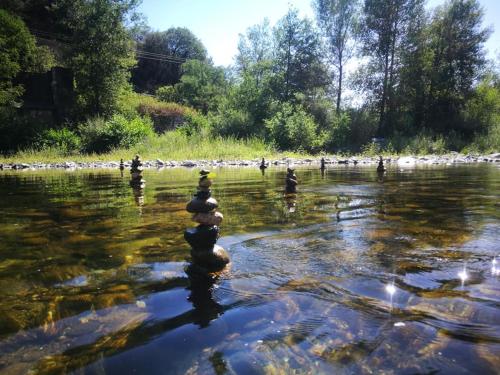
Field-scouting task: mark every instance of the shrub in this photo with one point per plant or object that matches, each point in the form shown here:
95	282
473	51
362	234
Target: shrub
291	128
488	143
165	116
363	127
338	132
63	140
233	122
482	111
167	94
194	123
99	135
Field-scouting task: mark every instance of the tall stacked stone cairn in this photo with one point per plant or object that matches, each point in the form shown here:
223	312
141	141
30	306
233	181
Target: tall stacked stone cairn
136	172
202	239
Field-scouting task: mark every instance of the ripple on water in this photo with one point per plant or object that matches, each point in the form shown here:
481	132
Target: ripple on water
306	291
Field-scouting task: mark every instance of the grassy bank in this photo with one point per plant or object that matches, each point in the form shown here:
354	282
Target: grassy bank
177	146
169	146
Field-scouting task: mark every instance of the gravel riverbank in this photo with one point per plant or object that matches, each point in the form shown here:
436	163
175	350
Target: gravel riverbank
448	159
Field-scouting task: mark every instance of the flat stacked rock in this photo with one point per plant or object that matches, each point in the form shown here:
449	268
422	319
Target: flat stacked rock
203	238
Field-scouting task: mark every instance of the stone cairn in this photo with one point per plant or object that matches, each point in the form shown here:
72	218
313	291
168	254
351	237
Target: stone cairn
263	166
322	167
136	172
291	189
291	181
204	252
381	167
137	182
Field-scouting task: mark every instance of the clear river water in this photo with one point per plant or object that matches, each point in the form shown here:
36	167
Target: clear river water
360	274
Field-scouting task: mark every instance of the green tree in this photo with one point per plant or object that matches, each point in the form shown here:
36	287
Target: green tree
101	52
482	110
384	28
153	70
338	19
201	85
246	105
457	42
254	47
297	63
416	63
18	53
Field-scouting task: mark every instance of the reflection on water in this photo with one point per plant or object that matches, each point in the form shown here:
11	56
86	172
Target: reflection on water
394	274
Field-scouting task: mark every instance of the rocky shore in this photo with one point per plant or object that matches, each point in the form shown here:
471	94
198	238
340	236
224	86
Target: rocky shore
448	159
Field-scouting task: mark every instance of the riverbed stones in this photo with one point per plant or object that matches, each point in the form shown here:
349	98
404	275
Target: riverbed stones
332	160
202	239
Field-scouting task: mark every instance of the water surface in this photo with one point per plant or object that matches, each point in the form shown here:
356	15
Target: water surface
92	273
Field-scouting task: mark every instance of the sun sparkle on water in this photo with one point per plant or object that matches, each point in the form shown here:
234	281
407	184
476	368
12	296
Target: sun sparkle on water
391	289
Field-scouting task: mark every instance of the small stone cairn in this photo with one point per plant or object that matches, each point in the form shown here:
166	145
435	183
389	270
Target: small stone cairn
322	164
291	189
291	181
263	164
202	239
381	167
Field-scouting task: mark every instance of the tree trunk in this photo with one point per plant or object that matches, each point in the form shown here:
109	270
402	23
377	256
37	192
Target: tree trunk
384	97
390	94
339	92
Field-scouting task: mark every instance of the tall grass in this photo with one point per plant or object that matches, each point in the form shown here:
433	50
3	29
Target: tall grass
171	146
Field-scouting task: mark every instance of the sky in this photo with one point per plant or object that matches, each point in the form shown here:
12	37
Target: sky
219	22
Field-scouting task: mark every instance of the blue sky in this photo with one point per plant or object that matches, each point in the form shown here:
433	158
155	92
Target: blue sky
218	22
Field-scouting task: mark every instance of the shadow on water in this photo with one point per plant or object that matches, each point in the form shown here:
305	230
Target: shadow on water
90	283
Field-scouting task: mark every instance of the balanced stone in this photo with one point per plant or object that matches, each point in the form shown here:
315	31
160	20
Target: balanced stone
215	259
208	218
199	204
203	237
205	182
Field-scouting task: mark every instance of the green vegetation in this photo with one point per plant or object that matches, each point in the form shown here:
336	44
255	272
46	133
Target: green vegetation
423	84
19	53
173	145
